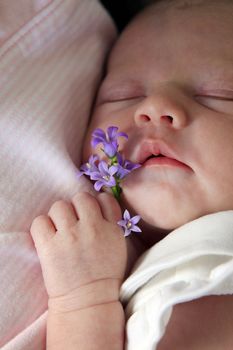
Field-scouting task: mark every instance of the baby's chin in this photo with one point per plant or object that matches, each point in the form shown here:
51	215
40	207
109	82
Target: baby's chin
160	214
155	225
154	217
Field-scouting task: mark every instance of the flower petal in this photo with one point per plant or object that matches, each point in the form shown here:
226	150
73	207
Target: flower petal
121	223
98	185
99	133
119	158
96	175
134	220
111	182
95	142
112	131
131	166
98	136
126	215
93	158
113	169
123	134
110	149
135	229
127	232
103	167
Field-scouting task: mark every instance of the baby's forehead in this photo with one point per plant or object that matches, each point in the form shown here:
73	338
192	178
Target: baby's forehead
208	15
202	33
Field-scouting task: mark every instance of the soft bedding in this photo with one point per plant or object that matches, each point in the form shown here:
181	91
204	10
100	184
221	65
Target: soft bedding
193	261
51	58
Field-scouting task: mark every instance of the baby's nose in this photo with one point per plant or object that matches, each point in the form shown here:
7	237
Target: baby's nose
162	108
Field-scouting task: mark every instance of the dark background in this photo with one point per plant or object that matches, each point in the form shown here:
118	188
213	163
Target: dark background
122	10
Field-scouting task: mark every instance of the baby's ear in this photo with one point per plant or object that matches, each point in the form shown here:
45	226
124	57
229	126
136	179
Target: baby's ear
110	208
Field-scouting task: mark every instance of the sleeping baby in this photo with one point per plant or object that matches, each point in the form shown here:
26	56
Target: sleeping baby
169	87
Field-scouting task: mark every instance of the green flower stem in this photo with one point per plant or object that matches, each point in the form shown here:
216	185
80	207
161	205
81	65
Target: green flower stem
116	190
114	160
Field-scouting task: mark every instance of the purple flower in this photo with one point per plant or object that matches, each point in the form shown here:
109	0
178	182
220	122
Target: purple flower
129	224
108	139
104	175
90	167
125	166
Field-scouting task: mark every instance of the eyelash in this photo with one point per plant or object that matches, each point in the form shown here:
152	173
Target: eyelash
117	99
204	99
216	103
221	98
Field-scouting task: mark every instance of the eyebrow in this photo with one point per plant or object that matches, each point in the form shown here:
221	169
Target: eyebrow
221	70
116	82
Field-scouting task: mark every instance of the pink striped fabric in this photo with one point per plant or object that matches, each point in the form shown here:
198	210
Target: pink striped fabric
51	59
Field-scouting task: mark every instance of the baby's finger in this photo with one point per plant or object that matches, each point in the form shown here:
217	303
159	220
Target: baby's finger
86	206
42	230
109	206
63	215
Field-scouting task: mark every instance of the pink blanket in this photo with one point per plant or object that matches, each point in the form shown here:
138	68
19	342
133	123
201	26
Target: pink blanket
51	59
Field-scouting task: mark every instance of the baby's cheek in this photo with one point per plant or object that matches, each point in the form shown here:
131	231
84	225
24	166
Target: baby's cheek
87	149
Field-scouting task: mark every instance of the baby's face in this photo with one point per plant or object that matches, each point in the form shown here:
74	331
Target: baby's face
169	86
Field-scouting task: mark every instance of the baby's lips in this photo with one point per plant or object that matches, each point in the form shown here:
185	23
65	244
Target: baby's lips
152	148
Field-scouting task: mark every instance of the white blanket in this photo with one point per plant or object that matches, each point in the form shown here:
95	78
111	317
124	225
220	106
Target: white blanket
51	59
193	261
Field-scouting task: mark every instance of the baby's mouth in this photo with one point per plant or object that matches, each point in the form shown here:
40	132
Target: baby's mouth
152	156
155	156
158	153
162	160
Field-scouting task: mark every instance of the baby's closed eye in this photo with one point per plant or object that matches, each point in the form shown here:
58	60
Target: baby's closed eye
219	102
119	92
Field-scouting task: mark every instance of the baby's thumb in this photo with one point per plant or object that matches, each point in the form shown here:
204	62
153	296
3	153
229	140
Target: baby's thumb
110	208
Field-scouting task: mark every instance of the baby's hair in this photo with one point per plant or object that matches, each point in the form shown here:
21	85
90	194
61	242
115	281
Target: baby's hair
183	4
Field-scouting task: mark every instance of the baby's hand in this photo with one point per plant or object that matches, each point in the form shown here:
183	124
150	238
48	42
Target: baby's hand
82	250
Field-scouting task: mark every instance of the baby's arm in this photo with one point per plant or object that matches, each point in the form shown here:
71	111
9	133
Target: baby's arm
83	256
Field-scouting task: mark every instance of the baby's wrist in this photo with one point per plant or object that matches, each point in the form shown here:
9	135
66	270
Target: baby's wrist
89	295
